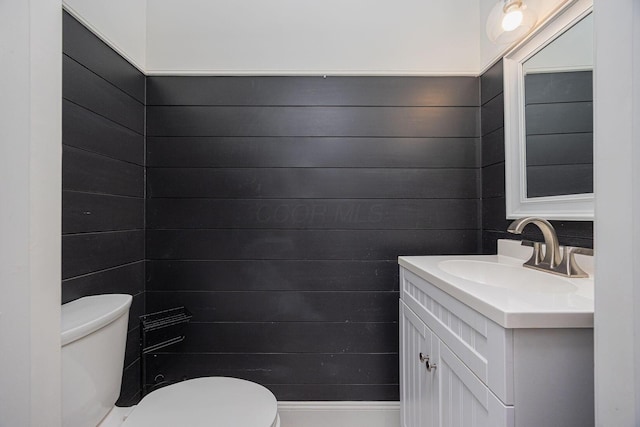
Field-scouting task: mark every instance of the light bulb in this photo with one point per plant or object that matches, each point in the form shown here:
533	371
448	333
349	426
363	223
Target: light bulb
509	21
512	20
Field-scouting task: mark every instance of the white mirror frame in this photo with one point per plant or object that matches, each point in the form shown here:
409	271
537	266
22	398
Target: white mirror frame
566	207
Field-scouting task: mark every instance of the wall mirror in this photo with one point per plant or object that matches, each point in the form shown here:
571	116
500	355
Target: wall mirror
548	89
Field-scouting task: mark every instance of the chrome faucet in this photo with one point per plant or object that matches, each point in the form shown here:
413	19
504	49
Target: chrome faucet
553	261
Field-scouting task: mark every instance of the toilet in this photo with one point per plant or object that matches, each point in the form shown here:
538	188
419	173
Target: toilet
93	333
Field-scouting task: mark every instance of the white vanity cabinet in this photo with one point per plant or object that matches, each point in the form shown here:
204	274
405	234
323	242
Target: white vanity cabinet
484	374
446	394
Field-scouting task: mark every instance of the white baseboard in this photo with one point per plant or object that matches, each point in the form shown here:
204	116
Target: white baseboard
339	414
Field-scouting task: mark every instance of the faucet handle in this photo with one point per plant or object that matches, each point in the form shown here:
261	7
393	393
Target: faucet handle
536	257
578	250
569	265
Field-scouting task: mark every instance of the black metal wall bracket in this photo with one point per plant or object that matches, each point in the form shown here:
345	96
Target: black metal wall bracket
159	330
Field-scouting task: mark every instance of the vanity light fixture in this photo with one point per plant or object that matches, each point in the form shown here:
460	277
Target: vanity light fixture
509	20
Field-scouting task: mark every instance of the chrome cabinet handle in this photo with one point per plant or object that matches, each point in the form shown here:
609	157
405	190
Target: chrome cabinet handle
425	359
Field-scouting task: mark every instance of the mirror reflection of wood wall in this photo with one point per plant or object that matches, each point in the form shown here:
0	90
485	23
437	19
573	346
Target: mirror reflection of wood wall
558	86
559	132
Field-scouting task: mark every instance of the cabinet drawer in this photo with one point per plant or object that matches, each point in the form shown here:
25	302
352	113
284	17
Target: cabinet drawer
481	344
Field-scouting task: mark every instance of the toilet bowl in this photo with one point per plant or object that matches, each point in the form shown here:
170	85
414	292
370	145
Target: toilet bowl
93	335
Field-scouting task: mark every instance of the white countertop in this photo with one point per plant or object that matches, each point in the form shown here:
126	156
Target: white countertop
513	307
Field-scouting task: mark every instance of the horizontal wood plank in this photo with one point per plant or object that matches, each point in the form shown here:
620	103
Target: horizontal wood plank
124	279
312	183
272	275
557	180
87	212
290	337
305	91
87	253
280	306
197	152
454	122
559	149
570	117
289	368
335	392
306	244
313	214
84	129
84	171
545	88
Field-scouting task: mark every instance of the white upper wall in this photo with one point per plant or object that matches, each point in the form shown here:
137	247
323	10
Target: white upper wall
120	23
300	37
422	37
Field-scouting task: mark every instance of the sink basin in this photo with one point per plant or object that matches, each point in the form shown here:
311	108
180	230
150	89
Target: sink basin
501	289
506	276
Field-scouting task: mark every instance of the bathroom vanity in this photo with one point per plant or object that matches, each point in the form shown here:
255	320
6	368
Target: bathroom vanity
486	342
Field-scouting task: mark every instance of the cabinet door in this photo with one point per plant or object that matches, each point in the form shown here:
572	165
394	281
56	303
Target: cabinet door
418	391
464	400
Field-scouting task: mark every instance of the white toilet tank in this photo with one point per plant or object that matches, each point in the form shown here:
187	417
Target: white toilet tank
94	335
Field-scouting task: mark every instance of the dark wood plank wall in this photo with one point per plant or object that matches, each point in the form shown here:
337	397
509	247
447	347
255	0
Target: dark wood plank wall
559	117
494	222
277	208
103	180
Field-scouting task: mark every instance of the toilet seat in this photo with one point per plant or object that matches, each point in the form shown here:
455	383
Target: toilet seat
207	402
